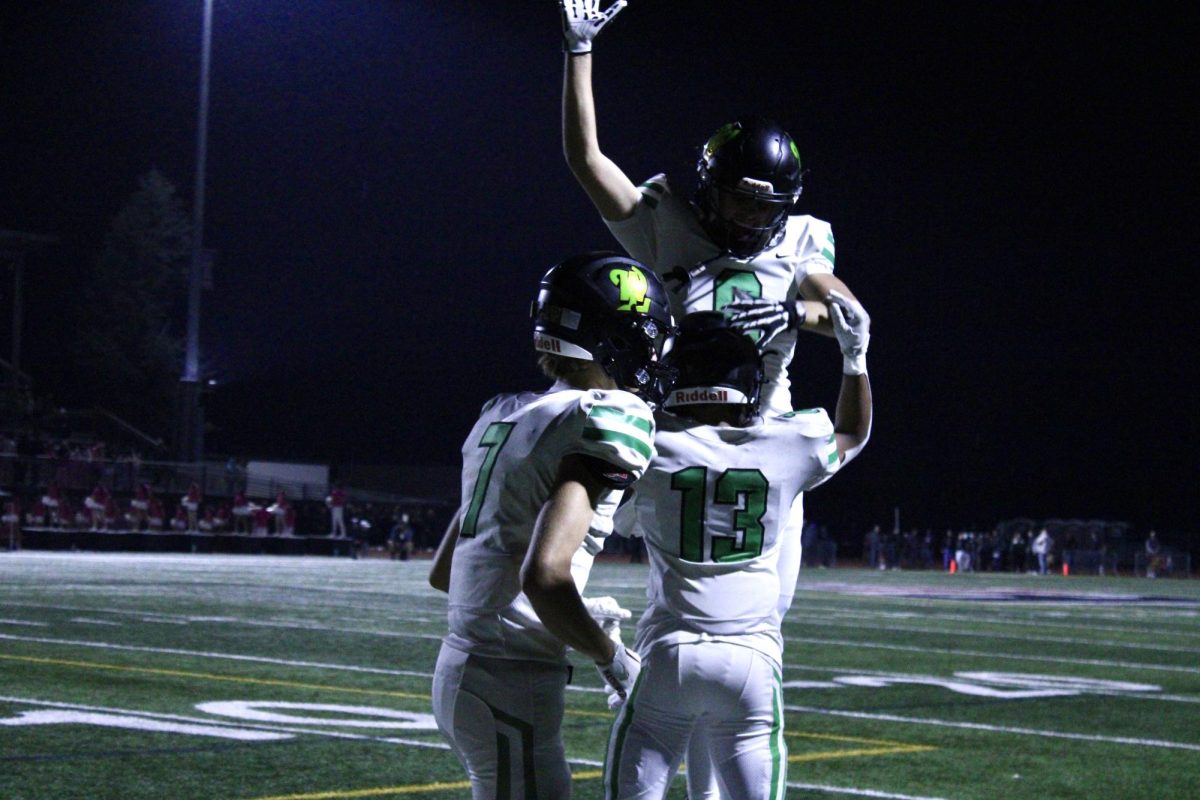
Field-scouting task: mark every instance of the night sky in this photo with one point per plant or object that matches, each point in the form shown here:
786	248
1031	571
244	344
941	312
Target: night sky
1012	189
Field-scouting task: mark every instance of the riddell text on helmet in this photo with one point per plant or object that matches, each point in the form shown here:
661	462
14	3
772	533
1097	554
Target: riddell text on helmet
701	396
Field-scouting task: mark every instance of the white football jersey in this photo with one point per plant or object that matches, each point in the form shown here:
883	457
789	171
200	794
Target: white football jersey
665	234
713	508
510	461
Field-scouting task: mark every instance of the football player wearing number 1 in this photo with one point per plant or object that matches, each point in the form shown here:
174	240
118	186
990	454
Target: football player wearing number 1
713	507
542	476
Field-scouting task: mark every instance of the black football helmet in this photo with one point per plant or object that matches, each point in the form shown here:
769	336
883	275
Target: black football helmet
608	308
714	363
750	177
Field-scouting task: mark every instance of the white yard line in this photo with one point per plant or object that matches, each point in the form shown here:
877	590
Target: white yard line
435	745
885	620
251	659
979	726
816	787
1107	643
1090	662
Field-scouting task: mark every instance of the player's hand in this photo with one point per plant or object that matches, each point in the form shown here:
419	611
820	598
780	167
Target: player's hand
613	699
621	673
583	20
608	615
852	327
750	315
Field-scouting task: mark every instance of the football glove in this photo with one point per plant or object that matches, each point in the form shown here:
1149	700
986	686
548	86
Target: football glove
851	326
749	315
608	615
583	20
621	673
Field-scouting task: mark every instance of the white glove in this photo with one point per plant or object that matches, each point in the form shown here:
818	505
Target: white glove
613	699
851	326
608	615
749	315
583	20
621	672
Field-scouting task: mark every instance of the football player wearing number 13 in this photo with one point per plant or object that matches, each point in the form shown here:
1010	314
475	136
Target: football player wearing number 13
542	475
713	507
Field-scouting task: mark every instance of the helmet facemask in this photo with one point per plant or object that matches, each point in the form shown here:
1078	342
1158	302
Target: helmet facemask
749	180
630	351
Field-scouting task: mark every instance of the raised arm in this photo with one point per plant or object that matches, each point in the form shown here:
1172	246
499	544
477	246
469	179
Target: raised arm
852	418
610	190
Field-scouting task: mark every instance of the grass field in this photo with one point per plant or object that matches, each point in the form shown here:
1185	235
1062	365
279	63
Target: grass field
247	678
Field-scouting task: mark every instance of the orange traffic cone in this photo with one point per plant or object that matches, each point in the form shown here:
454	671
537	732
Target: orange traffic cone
953	566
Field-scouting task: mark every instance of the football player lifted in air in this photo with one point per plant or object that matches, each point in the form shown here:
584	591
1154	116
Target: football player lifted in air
542	475
713	507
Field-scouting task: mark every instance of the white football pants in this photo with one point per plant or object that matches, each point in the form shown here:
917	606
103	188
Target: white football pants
733	693
502	718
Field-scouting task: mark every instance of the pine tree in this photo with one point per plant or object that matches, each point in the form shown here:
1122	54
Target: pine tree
130	347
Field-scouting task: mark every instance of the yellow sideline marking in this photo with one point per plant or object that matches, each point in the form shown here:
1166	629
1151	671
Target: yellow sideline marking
174	673
885	747
384	791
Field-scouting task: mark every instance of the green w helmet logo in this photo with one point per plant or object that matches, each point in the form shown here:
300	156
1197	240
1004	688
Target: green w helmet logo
633	286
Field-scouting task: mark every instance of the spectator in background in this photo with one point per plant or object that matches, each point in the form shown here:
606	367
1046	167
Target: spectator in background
1042	546
156	517
1154	559
95	503
871	547
52	499
208	522
112	514
400	539
12	522
38	515
336	503
243	509
287	520
1017	548
962	552
221	520
180	522
261	525
233	476
190	503
279	510
139	505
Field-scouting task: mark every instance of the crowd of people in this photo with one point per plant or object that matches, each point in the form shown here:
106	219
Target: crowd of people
1021	546
73	484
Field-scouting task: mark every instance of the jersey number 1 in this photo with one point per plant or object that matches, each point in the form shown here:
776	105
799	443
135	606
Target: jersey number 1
493	439
746	489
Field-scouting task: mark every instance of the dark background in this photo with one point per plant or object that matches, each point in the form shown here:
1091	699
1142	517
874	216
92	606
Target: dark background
1011	186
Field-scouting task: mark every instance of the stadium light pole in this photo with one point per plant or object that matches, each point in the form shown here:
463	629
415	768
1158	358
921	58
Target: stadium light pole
190	441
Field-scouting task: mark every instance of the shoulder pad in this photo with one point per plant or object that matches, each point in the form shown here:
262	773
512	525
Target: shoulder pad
654	190
618	428
812	422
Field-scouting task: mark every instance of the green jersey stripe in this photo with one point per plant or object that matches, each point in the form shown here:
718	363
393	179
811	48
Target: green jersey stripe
637	444
778	745
654	187
609	412
612	767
